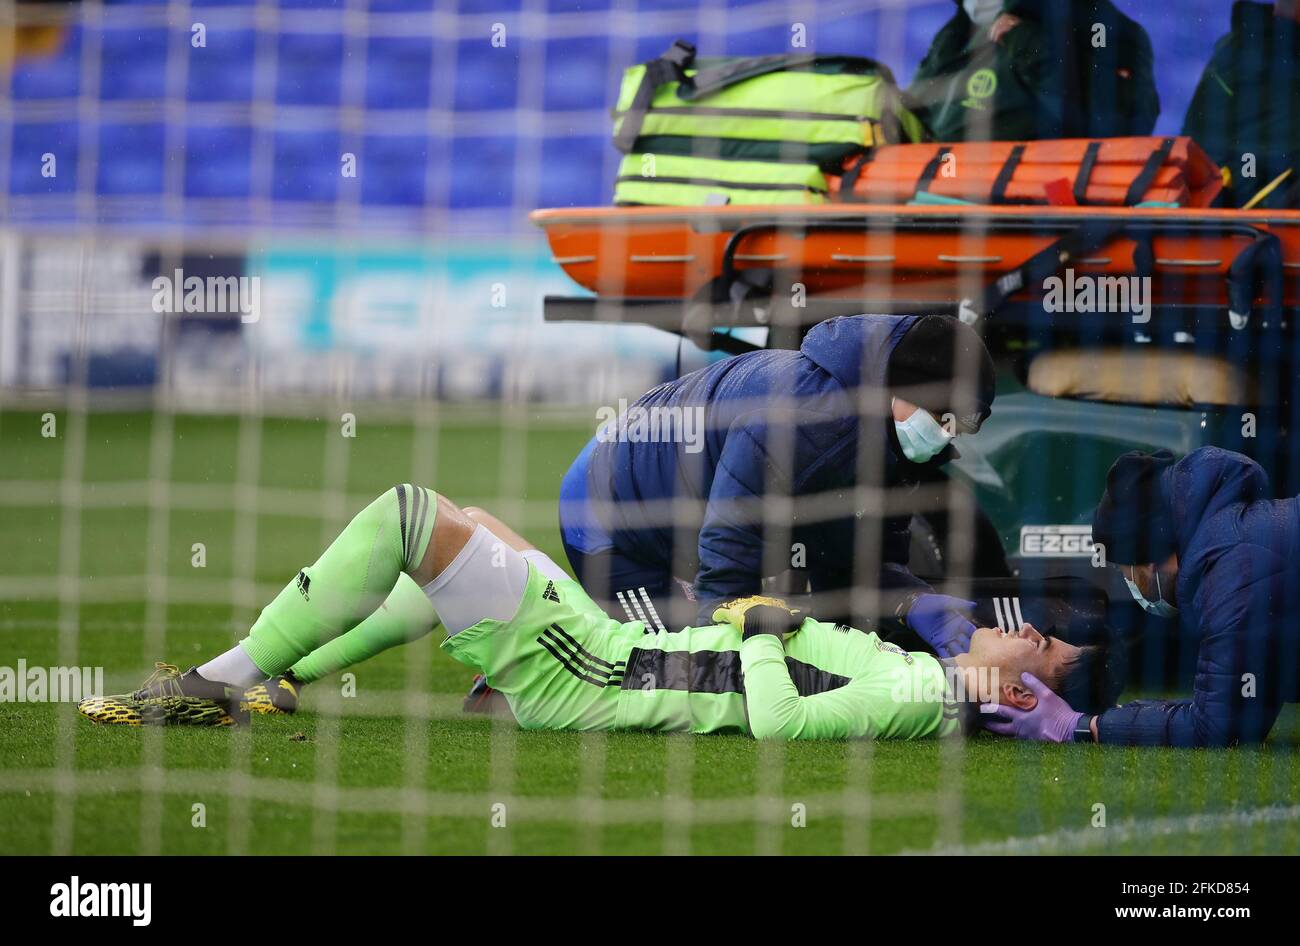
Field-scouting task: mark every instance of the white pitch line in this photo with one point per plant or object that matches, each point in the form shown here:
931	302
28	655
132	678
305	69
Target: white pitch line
1068	840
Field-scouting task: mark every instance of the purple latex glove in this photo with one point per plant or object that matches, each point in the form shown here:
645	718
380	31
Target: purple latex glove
939	620
1051	720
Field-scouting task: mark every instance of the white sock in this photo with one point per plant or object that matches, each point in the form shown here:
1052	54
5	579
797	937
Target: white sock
233	668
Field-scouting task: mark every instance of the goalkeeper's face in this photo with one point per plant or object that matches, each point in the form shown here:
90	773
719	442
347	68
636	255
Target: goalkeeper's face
1011	653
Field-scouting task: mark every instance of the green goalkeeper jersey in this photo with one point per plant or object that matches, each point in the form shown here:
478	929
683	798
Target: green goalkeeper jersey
562	663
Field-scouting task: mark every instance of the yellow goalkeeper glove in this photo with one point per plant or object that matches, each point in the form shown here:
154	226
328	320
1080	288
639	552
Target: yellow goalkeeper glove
773	616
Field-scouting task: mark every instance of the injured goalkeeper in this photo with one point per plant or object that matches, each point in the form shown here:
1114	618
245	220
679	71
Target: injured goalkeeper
412	560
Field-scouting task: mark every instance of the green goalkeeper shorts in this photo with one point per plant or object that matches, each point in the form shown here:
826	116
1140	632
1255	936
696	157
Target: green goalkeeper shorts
559	660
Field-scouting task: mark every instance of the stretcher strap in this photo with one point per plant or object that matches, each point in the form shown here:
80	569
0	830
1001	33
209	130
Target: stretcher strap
1144	254
1049	261
1085	172
1004	176
849	182
931	170
708	81
1142	183
1258	265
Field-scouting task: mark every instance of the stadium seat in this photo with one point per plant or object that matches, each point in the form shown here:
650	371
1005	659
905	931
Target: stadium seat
134	63
139	159
576	76
222	71
578	6
393	170
487	77
31	142
575	176
309	69
490	6
54	77
401	6
218	161
306	165
482	172
920	27
659	6
760	42
399	69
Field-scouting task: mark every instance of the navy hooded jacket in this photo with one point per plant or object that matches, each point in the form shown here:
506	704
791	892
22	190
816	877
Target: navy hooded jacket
1236	591
1248	103
776	424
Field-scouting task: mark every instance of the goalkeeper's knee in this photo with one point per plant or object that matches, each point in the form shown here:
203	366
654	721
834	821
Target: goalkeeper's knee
417	508
386	538
349	580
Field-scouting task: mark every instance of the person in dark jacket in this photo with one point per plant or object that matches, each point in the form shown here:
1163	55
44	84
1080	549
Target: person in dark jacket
1015	70
1201	541
778	474
1246	110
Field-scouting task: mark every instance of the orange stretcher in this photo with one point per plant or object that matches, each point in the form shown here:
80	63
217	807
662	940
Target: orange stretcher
1073	171
891	258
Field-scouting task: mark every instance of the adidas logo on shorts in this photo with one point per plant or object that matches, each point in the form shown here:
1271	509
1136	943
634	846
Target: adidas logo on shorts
304	585
550	594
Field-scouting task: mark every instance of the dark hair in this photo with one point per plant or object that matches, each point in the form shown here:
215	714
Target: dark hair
1134	520
1090	682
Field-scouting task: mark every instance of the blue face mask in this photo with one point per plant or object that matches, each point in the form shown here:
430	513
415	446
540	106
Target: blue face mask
1160	607
982	12
921	436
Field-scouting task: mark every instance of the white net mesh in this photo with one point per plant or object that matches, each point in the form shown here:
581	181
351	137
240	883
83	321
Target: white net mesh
350	183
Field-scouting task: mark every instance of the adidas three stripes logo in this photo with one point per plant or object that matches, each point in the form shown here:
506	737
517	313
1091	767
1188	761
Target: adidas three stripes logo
418	500
579	661
647	615
1008	613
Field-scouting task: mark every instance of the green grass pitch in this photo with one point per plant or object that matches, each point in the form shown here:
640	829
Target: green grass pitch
396	768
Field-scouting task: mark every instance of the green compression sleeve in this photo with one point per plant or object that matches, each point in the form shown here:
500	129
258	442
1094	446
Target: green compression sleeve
348	582
406	615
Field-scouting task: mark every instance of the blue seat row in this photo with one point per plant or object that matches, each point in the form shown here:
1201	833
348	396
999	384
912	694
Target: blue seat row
410	153
314	69
236	161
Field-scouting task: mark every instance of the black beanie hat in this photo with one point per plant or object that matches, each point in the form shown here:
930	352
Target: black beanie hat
941	365
1134	520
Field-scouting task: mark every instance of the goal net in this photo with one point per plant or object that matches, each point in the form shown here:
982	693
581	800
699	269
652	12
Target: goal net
260	260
